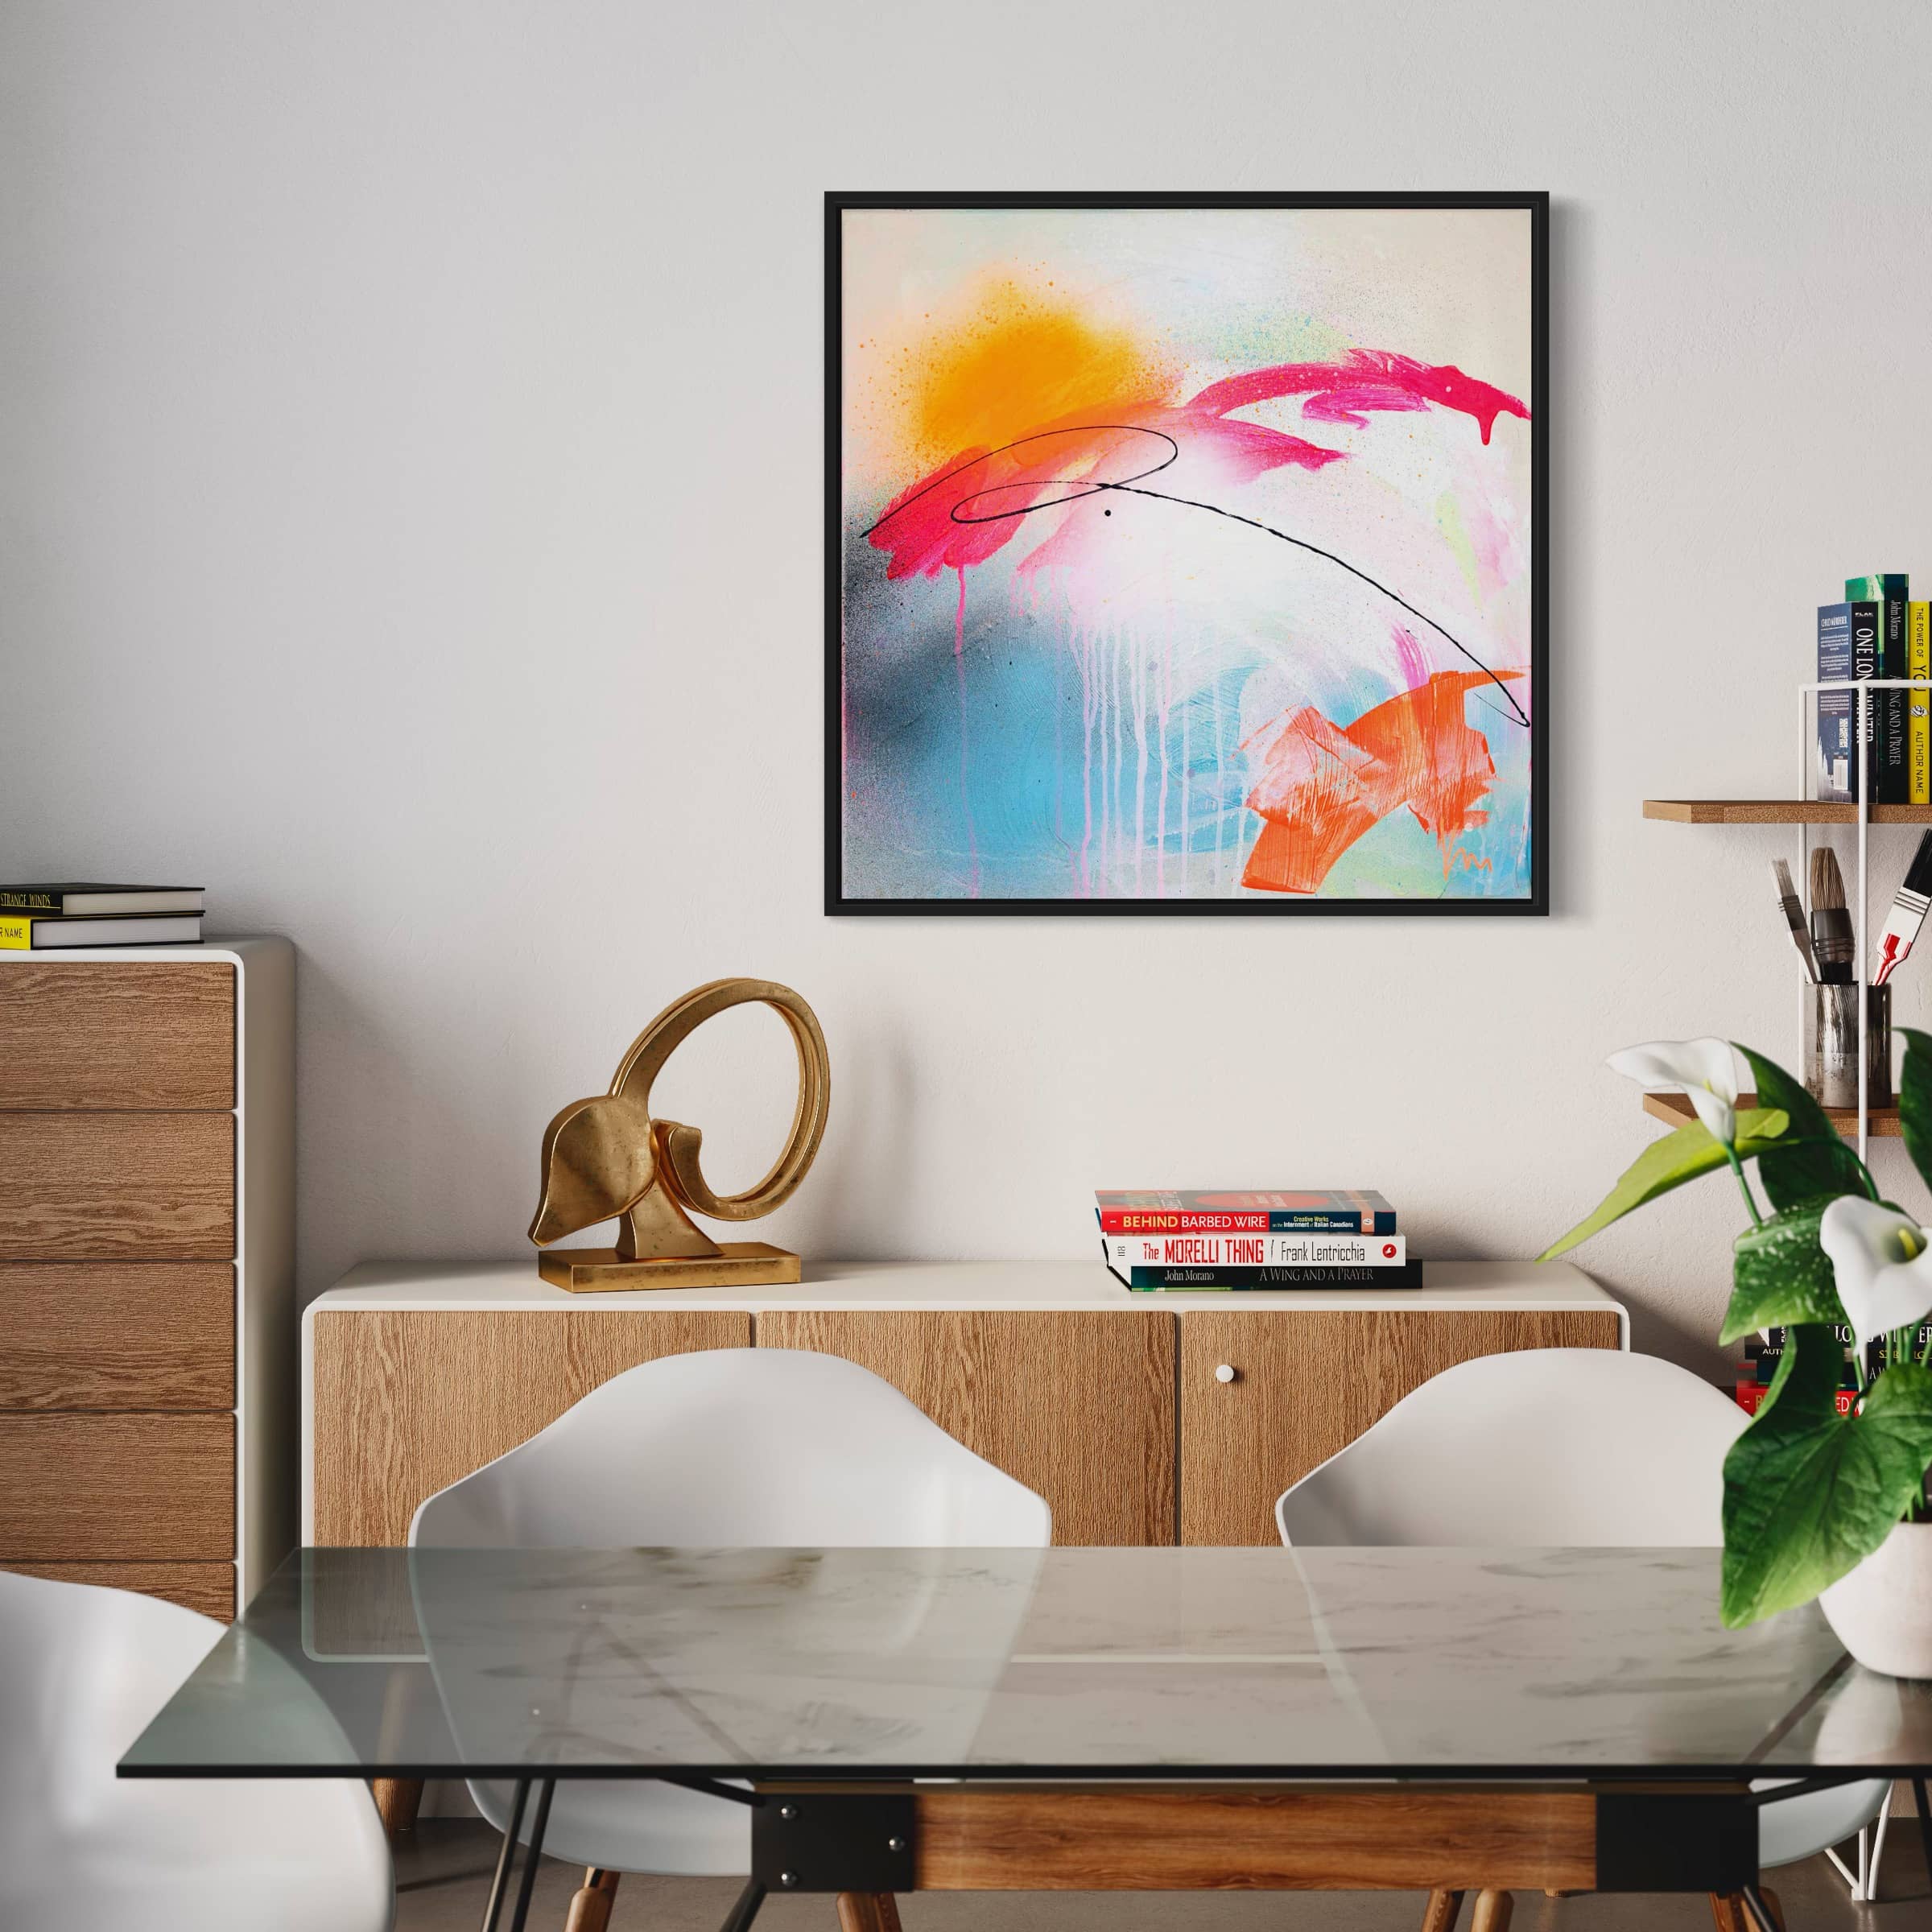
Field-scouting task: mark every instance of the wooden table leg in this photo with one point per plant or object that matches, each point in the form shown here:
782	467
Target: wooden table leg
1440	1914
868	1912
590	1909
1493	1911
396	1801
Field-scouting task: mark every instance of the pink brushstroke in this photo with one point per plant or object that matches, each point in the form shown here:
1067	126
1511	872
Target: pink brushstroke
1366	379
1077	456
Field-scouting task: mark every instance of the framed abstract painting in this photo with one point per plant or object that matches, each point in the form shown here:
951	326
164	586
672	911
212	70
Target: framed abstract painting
1184	554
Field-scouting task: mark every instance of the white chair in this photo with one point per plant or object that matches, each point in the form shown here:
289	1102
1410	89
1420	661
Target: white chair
1591	1447
745	1447
82	1671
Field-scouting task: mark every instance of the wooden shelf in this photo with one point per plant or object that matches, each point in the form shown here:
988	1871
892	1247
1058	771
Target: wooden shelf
1881	1122
1778	811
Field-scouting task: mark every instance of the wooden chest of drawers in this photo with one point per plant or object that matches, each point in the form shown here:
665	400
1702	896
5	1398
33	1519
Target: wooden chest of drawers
146	1267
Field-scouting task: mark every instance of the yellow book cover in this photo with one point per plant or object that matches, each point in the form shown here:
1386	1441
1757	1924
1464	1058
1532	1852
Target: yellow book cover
16	933
1918	713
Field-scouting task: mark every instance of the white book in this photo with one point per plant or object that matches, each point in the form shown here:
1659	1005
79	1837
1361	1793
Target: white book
1256	1250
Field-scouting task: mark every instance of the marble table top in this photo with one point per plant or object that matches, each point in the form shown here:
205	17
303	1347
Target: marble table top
1073	1662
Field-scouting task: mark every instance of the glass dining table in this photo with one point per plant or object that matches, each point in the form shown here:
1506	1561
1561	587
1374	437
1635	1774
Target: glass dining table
895	1720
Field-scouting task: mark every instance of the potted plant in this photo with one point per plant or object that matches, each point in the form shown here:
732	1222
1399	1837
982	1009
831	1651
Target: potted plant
1817	1503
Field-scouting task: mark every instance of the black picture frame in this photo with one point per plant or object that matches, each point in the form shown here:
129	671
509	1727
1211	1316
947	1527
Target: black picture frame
1535	904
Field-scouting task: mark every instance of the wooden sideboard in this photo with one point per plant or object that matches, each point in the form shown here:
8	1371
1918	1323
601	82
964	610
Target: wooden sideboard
1109	1404
147	1266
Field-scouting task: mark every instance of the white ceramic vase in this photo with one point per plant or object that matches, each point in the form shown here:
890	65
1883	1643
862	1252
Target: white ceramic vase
1882	1611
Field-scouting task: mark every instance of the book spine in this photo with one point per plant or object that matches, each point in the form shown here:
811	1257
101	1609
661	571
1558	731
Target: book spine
1837	752
1256	1250
1751	1398
1866	657
1895	775
1243	1220
16	933
1409	1275
1918	703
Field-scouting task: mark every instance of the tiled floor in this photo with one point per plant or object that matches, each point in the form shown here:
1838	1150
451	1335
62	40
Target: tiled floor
443	1870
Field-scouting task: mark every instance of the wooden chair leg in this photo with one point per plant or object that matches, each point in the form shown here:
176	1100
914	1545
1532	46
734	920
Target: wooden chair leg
1728	1912
868	1912
1439	1914
396	1802
1493	1911
590	1908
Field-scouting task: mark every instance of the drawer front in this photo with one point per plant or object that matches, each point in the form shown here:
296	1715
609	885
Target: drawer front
1306	1385
208	1588
104	1186
1078	1406
408	1401
117	1334
92	1034
119	1489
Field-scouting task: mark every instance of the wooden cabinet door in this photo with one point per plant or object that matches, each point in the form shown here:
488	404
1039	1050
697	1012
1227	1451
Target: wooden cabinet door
1077	1405
1307	1384
408	1401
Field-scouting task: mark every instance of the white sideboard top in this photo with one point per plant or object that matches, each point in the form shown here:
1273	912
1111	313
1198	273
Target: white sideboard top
938	1285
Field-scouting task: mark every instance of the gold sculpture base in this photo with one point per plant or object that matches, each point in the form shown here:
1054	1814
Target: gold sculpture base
736	1264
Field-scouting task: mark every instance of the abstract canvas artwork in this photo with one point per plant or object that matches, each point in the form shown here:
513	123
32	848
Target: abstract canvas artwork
1184	554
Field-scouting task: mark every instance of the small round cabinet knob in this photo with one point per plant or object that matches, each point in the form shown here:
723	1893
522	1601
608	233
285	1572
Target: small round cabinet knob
1225	1372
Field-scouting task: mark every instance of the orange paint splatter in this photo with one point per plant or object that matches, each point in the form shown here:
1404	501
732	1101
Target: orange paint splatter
1323	785
1014	359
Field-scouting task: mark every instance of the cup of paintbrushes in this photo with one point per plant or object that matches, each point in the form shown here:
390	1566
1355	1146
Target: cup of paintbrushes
1831	1045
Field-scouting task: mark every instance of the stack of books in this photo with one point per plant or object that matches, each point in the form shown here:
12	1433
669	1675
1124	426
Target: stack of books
1232	1238
37	919
1877	632
1763	1353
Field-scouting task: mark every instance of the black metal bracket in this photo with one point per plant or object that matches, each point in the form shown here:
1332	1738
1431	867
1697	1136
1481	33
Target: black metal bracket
834	1841
1659	1840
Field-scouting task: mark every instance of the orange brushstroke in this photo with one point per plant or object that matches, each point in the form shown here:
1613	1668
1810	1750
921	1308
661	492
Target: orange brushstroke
1323	785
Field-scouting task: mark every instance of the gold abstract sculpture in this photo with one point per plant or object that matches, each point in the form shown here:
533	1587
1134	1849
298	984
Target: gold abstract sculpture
607	1155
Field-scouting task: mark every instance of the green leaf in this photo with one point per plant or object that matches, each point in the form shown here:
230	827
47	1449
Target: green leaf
1808	1493
1680	1156
1779	1274
1814	1161
1915	1100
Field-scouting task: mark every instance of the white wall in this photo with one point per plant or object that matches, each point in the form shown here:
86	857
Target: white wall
410	437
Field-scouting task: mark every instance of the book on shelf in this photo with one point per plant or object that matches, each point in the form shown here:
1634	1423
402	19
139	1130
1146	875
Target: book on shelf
26	932
1244	1210
87	899
1751	1397
1838	760
1409	1275
1918	703
1220	1250
1888	593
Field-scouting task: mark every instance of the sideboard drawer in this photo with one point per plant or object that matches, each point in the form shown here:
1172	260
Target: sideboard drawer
141	1033
1302	1386
101	1186
117	1334
117	1488
408	1401
1077	1405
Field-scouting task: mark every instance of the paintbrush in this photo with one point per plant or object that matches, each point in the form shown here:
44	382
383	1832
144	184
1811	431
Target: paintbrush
1831	923
1794	917
1908	913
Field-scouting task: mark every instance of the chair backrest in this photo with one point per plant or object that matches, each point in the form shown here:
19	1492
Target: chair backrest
1544	1446
82	1671
753	1446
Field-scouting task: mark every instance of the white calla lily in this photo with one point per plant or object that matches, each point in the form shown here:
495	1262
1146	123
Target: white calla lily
1883	1261
1704	1069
